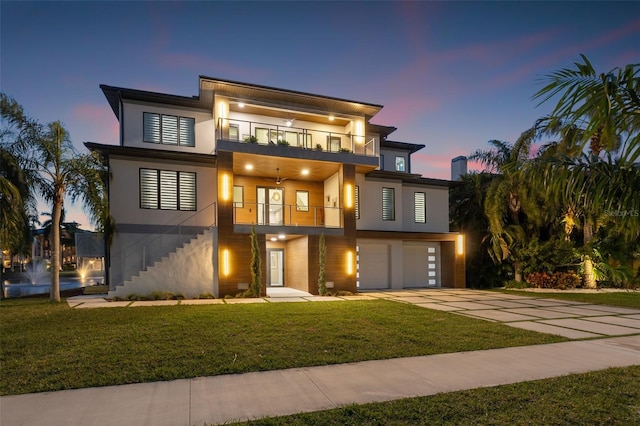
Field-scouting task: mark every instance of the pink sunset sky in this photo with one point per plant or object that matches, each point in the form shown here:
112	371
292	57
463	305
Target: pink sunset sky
451	75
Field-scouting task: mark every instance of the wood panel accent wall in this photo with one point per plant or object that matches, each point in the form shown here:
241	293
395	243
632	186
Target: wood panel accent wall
336	263
247	214
348	177
452	266
239	245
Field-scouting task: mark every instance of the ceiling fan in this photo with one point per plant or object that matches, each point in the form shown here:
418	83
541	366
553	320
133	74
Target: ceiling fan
279	179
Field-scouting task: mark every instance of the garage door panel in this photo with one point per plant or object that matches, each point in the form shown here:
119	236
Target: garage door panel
373	266
421	264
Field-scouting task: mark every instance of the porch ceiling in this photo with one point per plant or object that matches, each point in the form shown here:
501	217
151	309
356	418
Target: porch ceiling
290	168
286	114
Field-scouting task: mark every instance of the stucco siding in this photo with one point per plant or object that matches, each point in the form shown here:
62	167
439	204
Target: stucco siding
133	127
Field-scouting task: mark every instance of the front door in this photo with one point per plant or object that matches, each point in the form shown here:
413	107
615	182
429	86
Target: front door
276	267
270	206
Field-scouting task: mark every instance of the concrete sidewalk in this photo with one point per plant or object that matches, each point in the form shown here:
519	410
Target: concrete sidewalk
219	399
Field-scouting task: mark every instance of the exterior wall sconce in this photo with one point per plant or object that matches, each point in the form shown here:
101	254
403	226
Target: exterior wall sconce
349	262
460	244
226	191
348	195
225	262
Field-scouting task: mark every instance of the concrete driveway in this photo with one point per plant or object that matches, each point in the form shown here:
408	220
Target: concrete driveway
574	320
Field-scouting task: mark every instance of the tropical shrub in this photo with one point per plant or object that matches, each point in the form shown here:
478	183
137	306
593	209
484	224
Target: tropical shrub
555	255
556	280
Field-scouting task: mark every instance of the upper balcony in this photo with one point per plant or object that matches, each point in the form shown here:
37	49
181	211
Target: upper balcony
288	140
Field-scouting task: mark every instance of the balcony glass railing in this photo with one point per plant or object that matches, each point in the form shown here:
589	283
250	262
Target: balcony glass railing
286	215
298	137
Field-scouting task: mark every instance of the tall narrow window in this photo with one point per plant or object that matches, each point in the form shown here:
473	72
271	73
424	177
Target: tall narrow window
238	196
333	143
420	207
167	190
168	129
400	164
234	132
357	196
187	191
388	204
187	131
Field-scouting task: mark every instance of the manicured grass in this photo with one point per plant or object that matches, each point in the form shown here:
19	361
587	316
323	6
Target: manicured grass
629	299
46	346
608	397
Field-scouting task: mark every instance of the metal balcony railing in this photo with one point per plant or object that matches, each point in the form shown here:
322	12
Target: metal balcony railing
298	137
287	215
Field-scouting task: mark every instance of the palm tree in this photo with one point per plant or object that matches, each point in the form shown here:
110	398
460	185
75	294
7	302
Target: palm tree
605	108
506	193
15	204
605	105
55	170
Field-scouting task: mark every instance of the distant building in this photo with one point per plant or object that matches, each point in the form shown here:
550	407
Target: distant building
191	176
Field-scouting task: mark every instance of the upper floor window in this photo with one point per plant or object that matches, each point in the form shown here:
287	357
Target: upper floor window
238	196
234	132
357	196
400	164
167	190
388	204
420	207
169	129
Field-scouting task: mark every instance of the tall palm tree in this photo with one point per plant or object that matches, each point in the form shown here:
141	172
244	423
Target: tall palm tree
506	193
55	170
61	171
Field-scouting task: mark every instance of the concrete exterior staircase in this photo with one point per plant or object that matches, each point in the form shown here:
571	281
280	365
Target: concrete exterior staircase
187	269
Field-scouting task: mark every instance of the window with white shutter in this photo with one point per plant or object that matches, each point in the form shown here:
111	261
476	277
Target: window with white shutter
168	129
420	207
167	190
388	204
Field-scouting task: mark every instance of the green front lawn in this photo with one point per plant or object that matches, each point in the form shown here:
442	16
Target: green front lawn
608	397
629	299
46	346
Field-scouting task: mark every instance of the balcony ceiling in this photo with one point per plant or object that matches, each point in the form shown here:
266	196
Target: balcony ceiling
285	114
290	168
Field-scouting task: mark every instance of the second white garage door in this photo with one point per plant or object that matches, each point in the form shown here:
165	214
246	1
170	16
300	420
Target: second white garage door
421	264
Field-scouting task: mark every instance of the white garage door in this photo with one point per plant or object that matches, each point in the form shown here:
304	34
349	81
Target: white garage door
373	266
421	264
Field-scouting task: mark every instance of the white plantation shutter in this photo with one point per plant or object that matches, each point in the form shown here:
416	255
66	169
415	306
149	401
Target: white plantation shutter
187	191
420	207
151	127
357	196
187	131
148	189
168	190
388	204
170	130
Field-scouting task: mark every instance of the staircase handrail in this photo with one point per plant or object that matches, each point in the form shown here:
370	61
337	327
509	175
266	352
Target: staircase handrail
141	244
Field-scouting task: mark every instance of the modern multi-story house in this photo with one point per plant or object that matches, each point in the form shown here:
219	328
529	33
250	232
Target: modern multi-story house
192	176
